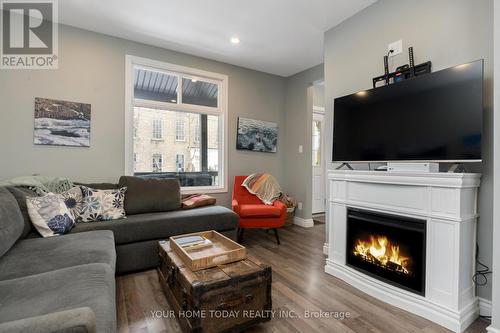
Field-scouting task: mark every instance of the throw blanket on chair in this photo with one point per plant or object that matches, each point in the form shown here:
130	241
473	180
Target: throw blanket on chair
264	186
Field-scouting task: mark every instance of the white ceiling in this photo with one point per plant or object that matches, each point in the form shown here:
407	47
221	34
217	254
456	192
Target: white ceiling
281	37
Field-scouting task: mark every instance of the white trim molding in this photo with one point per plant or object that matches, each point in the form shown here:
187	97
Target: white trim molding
318	109
326	248
491	329
484	307
181	72
304	223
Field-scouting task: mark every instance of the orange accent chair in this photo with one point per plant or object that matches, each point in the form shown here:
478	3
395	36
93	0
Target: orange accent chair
255	214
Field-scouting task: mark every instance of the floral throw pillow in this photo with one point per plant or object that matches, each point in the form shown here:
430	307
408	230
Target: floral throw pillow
49	215
102	205
73	200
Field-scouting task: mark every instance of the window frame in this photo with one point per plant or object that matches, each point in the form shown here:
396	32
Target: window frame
181	72
161	161
197	132
183	161
183	127
153	129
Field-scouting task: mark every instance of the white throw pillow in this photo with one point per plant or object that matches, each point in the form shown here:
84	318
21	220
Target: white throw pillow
102	205
49	215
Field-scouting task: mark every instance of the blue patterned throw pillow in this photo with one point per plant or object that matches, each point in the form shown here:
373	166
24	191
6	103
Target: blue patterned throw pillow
102	205
49	215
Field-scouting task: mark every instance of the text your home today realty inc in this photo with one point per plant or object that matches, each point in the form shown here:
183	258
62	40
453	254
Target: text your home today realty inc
251	314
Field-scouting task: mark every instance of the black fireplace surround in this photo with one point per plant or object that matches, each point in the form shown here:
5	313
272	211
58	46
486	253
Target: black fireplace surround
390	248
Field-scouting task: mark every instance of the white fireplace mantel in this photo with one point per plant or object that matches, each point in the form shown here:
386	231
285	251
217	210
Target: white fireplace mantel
448	203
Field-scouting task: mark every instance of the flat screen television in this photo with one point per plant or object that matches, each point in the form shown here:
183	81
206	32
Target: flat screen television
436	117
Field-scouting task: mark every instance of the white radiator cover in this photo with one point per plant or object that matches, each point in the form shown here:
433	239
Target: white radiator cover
448	202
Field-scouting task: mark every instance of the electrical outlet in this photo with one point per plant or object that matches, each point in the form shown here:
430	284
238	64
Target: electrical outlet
396	47
299	205
301	149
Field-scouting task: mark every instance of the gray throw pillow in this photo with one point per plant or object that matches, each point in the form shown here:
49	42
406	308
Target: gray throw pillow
100	186
150	195
21	193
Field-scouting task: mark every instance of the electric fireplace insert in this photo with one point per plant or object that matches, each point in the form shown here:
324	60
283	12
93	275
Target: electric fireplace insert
390	248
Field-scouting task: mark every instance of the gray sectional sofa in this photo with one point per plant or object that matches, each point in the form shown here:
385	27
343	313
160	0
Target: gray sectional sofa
67	283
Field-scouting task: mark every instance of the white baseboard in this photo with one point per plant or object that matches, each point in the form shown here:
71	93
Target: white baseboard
491	329
484	307
304	223
326	248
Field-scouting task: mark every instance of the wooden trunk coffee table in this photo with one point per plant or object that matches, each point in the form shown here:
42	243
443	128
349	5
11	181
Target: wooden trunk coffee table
225	298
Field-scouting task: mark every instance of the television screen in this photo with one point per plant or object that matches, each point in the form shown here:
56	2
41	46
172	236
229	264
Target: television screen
433	117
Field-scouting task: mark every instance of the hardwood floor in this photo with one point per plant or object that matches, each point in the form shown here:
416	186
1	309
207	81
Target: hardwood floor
319	218
299	284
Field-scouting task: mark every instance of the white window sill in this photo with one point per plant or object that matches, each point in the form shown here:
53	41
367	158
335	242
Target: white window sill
202	189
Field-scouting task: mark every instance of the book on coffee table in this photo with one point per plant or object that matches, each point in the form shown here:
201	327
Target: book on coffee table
193	242
206	249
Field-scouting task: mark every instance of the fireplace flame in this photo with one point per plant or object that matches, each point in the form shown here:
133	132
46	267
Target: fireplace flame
382	252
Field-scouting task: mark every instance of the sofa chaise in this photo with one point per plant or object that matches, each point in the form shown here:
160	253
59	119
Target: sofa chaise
67	283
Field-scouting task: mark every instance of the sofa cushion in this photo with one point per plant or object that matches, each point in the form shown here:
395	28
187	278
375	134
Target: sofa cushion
259	211
79	320
150	195
11	220
40	255
91	285
153	226
100	186
20	193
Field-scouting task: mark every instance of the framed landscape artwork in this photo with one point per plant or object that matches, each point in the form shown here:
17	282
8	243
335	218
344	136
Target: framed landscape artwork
61	123
257	135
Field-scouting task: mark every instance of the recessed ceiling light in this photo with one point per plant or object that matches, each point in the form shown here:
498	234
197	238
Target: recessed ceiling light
235	40
173	100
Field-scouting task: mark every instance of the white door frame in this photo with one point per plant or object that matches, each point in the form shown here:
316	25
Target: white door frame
317	110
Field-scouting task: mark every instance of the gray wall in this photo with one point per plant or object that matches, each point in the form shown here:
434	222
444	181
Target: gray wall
447	32
298	123
319	95
92	70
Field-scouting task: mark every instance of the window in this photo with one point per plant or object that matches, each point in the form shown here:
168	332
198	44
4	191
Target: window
157	129
316	143
180	130
199	92
178	117
157	163
179	162
196	129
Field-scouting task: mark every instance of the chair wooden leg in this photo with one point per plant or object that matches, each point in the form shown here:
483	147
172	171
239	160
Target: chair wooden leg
240	235
277	236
